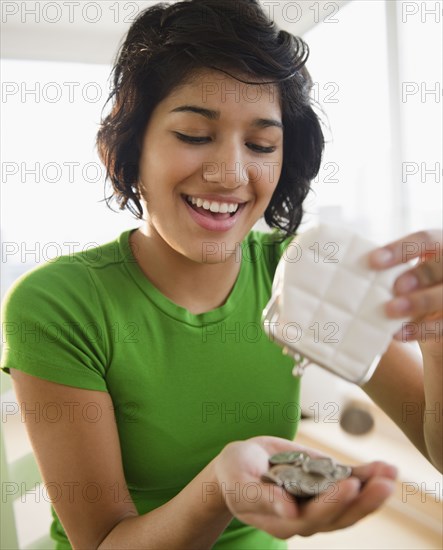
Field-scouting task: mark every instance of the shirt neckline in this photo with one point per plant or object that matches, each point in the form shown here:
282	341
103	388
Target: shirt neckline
169	307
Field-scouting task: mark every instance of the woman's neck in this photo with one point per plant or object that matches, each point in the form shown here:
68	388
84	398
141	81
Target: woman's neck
196	286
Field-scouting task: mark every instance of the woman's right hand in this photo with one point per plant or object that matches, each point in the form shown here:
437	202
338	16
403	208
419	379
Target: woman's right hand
241	464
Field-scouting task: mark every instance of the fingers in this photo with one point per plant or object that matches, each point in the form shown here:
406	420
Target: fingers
286	516
371	497
422	244
418	293
375	469
323	512
416	304
272	509
352	499
428	332
424	275
341	506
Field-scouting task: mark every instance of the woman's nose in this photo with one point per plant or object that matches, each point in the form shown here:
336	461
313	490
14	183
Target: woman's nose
228	169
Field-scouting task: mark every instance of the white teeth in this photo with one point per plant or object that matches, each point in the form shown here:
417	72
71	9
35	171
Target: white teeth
214	206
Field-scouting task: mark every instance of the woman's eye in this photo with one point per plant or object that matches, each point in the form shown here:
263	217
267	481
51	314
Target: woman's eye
261	149
191	139
201	140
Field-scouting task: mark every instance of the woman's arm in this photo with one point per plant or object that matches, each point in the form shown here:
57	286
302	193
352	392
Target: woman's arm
409	387
75	453
195	518
397	387
432	414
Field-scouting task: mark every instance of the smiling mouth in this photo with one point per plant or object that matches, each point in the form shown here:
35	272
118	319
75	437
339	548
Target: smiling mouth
214	209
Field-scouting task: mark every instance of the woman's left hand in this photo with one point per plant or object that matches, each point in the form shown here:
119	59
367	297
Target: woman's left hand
418	293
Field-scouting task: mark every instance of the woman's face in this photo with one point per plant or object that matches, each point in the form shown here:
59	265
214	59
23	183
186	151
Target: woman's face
211	159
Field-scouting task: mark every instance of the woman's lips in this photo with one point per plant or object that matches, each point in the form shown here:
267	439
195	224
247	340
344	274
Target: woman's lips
213	221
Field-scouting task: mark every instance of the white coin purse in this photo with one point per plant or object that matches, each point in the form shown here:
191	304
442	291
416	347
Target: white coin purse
327	305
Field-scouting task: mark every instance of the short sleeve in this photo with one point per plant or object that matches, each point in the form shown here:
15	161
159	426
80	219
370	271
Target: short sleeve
282	245
52	326
273	245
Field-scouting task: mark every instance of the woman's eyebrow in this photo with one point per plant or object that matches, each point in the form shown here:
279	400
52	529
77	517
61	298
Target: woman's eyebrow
211	115
215	115
267	122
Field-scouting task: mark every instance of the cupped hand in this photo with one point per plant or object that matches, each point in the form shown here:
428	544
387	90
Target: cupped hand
419	290
241	464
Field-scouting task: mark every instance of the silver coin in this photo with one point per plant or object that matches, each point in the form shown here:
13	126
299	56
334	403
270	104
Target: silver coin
288	457
304	476
294	488
292	481
306	484
324	466
341	472
284	472
269	477
314	484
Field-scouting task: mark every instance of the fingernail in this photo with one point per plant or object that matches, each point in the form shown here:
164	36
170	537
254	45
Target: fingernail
382	256
407	283
399	305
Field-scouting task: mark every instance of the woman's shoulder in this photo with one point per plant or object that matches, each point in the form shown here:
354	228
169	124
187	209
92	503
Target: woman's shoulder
68	280
52	325
52	295
263	250
265	247
59	276
67	274
270	238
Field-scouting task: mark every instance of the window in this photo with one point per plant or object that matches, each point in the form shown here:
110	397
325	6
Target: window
52	179
378	78
377	73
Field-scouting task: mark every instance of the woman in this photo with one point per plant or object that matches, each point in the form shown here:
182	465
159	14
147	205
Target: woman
143	343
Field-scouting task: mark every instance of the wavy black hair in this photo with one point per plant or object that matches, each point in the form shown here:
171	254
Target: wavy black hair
164	45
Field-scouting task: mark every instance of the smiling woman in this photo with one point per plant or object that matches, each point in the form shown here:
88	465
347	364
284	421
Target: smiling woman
159	58
219	185
156	331
223	161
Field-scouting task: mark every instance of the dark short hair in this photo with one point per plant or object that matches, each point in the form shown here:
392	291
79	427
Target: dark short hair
164	45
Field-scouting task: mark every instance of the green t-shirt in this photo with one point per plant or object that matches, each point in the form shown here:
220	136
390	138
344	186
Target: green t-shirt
183	385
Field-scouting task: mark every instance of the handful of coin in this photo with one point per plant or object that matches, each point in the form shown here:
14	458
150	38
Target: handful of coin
302	475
